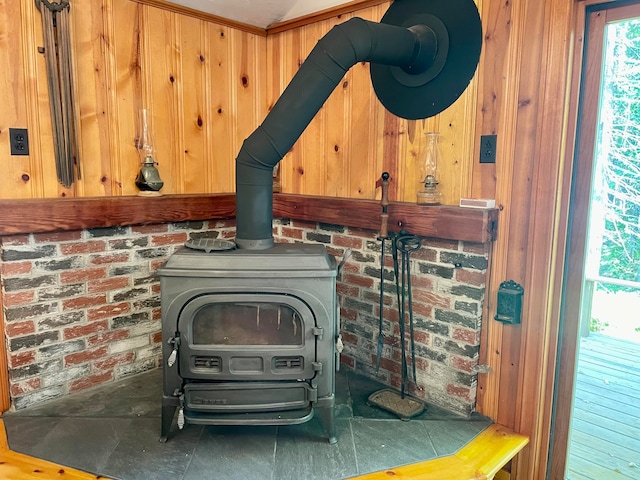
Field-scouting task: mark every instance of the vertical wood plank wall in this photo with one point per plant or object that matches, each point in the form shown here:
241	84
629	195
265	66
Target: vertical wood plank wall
203	84
523	97
208	85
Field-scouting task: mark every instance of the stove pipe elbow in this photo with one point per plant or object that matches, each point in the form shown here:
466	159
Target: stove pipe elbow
354	41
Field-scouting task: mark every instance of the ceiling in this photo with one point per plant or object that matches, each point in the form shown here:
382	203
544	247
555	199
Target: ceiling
259	13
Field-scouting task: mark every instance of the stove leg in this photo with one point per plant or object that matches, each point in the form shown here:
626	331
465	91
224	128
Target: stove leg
168	412
328	415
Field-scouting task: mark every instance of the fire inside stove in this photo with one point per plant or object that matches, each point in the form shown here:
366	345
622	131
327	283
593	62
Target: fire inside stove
249	337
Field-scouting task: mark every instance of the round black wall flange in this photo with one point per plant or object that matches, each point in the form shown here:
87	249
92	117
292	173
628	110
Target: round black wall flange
458	31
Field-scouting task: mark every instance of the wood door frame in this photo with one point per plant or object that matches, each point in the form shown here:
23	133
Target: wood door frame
591	20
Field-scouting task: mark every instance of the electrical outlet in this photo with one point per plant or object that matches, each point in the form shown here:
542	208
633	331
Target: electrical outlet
19	139
488	148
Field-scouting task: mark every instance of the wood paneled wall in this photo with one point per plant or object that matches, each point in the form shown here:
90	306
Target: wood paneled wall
203	84
523	97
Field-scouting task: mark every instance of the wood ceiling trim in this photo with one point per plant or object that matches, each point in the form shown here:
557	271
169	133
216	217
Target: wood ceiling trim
272	29
322	15
207	17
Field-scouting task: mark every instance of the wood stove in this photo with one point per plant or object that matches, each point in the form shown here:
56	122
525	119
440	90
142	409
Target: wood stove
249	336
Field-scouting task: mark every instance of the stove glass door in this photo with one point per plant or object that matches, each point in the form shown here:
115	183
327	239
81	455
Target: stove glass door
247	336
250	323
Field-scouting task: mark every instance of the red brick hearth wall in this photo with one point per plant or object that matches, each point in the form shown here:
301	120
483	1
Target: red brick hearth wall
82	308
448	284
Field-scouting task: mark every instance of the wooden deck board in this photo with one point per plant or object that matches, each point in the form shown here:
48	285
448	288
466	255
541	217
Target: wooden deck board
602	405
589	470
605	431
617	391
622	425
609	372
602	440
615	351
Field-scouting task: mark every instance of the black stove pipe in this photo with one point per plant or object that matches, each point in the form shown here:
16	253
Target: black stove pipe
356	40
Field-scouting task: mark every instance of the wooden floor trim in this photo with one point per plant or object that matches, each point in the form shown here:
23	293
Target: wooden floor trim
481	458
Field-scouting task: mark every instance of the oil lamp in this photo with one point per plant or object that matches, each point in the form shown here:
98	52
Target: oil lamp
148	179
430	195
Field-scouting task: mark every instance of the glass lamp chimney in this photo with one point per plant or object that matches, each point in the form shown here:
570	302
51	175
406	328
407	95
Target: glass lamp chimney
429	194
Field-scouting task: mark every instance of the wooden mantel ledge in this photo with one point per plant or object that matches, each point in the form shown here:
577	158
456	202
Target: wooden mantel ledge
18	216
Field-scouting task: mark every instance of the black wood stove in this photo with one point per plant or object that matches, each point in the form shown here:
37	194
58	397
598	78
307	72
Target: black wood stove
249	336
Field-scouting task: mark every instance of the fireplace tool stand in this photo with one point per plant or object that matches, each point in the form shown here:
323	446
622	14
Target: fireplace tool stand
388	399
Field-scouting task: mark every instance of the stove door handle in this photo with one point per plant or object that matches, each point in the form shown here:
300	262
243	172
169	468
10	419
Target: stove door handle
175	342
172	358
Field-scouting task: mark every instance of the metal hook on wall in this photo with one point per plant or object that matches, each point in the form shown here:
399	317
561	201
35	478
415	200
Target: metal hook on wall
53	6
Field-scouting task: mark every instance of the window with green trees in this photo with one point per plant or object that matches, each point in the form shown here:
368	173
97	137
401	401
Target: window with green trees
617	173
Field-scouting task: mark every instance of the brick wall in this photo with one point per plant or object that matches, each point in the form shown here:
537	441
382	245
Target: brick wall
81	308
448	284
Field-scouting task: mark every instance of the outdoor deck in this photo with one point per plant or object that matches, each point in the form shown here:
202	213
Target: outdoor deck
605	435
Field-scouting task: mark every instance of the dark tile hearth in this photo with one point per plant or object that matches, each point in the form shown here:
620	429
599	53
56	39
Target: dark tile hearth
113	431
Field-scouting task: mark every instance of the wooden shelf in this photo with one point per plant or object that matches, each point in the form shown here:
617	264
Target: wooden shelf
64	214
442	221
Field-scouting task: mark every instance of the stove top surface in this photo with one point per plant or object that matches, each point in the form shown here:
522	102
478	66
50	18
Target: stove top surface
292	257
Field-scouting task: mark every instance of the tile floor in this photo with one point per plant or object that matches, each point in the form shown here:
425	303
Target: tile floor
113	431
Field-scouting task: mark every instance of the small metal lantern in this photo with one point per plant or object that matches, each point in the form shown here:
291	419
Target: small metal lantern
148	179
509	308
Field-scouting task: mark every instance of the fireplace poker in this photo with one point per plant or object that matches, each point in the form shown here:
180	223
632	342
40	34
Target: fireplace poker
383	183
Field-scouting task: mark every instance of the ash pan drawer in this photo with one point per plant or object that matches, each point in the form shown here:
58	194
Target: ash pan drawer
248	396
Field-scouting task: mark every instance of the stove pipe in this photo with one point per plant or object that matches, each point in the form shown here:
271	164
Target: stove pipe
417	53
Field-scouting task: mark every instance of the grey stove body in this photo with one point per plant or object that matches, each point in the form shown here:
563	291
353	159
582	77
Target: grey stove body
249	336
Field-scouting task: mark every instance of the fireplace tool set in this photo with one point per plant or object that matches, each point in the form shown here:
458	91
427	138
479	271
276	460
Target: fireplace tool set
404	244
227	360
